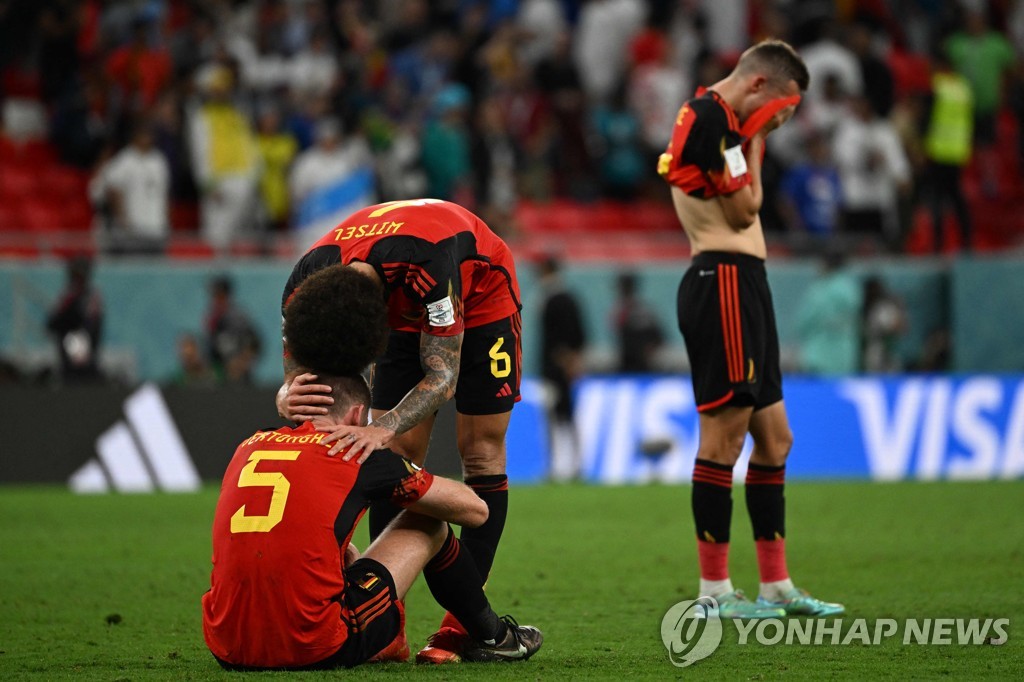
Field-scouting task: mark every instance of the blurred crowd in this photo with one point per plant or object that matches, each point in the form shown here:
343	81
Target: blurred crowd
268	114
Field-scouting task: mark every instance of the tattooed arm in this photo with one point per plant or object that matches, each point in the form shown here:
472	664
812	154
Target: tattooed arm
439	357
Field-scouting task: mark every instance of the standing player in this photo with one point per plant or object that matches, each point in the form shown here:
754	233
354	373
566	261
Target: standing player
713	163
453	311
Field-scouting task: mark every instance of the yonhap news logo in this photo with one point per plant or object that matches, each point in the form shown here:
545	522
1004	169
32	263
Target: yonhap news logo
691	631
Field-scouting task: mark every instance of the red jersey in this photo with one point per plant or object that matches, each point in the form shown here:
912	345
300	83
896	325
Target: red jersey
285	514
705	156
443	268
146	71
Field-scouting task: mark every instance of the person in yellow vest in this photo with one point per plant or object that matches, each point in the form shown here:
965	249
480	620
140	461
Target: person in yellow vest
277	151
948	146
225	160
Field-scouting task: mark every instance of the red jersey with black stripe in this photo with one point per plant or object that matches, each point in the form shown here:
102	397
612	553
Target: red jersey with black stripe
443	268
285	514
705	156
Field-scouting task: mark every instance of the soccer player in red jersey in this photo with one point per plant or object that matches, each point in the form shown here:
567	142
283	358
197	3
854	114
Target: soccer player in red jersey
281	596
713	163
453	311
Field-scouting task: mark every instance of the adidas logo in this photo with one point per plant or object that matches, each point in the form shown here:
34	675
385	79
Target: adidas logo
140	454
504	392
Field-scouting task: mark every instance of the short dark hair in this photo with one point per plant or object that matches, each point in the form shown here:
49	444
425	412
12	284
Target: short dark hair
346	391
778	60
336	322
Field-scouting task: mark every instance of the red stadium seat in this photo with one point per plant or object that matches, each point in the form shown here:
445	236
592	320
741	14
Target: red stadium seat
189	248
11	219
17	182
78	215
184	216
39	153
19	250
40	215
9	152
60	183
247	249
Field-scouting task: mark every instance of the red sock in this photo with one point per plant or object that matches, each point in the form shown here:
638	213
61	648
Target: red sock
771	560
714	560
450	621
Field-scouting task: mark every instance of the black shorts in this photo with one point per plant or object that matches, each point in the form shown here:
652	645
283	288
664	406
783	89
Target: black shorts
372	613
488	373
728	323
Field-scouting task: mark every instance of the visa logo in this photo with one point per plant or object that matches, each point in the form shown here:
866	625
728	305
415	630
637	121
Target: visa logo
932	428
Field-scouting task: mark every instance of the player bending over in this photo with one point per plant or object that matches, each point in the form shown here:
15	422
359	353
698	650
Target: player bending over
453	311
280	595
713	163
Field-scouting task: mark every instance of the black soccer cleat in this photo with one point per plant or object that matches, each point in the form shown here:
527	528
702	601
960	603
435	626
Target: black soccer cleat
521	642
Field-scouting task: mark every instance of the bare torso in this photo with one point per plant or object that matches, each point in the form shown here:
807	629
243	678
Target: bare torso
705	224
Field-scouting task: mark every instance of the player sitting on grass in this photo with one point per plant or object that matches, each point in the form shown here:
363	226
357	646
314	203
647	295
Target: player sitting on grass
281	596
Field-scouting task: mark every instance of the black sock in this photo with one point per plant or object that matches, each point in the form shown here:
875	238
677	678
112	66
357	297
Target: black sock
457	586
712	500
766	501
482	542
382	512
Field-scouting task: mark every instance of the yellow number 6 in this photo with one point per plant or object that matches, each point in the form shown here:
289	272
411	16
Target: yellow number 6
501	363
240	523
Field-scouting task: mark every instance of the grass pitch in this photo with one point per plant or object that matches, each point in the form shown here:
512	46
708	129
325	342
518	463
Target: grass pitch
108	587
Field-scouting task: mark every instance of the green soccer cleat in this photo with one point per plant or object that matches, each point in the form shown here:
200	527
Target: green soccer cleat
736	605
798	603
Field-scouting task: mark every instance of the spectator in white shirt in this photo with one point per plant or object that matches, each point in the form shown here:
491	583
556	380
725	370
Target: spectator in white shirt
328	181
131	191
873	170
542	22
314	71
657	88
829	57
602	37
331	159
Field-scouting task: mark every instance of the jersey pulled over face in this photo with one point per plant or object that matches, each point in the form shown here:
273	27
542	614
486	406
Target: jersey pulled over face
705	156
443	268
285	514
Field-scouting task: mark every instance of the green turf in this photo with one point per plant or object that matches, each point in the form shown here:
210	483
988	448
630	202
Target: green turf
108	587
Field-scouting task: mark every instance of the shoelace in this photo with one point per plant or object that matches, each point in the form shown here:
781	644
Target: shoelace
513	627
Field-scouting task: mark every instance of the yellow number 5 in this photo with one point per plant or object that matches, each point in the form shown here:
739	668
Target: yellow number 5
501	363
240	523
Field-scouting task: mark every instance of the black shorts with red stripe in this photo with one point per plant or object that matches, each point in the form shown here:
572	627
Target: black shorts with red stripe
728	322
373	613
489	369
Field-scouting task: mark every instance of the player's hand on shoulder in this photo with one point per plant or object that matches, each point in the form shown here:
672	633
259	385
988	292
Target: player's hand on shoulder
359	442
304	399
